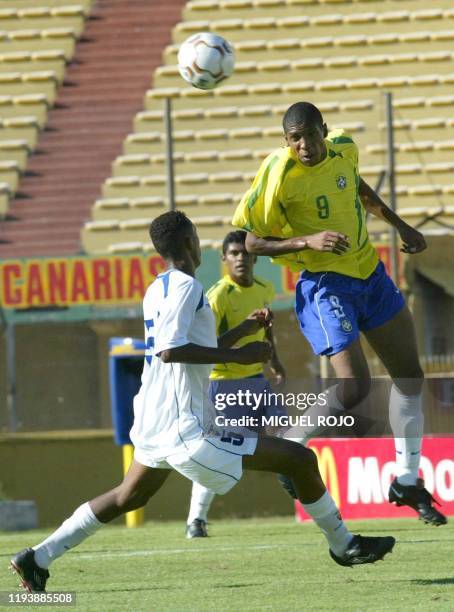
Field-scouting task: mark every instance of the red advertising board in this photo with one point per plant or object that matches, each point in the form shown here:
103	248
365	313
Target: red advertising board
358	473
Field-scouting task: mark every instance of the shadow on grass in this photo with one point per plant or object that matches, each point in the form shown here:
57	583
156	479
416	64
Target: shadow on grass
238	586
434	582
122	590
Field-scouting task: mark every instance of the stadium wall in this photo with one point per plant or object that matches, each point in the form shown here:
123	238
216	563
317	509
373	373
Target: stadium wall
83	464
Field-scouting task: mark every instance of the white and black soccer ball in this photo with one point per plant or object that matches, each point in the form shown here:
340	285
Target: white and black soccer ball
205	59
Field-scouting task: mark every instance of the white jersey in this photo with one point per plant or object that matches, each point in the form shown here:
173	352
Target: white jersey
168	407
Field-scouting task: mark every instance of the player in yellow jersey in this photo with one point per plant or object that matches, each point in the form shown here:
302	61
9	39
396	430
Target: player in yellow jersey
232	299
306	209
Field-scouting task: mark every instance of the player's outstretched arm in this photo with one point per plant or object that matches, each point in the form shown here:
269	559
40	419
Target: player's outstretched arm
413	241
328	241
262	317
254	352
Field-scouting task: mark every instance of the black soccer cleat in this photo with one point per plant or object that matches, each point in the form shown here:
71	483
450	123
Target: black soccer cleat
32	577
418	498
197	529
363	550
287	484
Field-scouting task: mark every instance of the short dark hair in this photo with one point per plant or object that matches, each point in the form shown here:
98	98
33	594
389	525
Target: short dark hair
167	232
301	113
235	236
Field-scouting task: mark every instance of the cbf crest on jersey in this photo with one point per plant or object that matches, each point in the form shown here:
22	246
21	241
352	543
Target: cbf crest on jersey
341	181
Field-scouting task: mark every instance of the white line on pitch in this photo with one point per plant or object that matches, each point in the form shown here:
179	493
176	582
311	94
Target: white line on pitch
178	551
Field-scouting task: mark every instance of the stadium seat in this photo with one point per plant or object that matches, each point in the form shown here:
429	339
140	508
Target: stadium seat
97	235
23	4
10	173
148	205
20	128
127	165
416	102
30	105
123	248
27	61
425	80
393	16
427	15
242	8
444	145
238	29
220	113
63	39
17	84
15	150
432	122
43	17
5	197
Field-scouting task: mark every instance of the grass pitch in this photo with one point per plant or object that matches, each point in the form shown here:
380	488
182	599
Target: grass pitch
260	564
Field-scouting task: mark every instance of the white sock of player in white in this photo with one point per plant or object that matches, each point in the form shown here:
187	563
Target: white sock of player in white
407	422
82	524
327	516
201	499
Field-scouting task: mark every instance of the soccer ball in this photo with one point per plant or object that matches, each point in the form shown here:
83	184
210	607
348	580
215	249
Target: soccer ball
204	60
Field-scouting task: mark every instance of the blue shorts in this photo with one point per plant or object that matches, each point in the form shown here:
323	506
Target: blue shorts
333	308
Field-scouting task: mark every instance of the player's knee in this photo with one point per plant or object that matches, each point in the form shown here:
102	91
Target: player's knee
302	459
411	383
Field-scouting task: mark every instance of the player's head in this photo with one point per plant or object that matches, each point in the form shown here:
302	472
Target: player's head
238	261
174	236
305	132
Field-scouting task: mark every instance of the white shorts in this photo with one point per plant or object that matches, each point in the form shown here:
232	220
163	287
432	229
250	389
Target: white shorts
211	462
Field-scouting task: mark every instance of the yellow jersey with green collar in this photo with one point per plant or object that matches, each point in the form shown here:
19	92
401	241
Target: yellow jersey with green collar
288	199
231	304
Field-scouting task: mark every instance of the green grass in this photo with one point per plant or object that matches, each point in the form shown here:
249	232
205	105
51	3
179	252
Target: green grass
261	564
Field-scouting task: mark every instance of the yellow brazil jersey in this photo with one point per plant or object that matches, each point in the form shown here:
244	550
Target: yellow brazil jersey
288	199
231	304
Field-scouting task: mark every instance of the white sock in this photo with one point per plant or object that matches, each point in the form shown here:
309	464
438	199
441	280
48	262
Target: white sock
407	422
327	516
82	524
201	499
332	406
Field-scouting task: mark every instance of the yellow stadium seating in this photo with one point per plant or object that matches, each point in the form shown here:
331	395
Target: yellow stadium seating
43	17
60	39
5	196
15	150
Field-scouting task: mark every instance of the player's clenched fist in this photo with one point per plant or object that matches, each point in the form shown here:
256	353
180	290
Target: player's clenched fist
262	317
333	242
254	352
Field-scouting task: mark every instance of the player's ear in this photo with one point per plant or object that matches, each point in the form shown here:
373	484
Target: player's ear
189	243
325	130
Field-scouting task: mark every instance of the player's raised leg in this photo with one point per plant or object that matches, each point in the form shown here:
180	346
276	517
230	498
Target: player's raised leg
300	465
138	486
395	344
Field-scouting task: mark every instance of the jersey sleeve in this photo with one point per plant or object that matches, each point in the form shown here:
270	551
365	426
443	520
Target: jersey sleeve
259	210
345	145
176	316
217	304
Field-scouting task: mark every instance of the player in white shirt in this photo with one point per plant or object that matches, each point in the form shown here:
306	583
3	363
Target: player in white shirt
169	430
